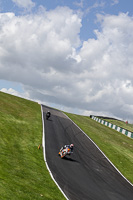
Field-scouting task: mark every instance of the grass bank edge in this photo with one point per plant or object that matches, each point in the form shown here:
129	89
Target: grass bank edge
116	146
23	171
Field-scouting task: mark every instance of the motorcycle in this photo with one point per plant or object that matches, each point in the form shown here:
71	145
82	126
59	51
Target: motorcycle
64	152
48	114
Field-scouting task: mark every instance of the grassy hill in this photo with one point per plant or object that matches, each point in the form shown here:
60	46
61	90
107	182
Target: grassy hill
116	146
23	174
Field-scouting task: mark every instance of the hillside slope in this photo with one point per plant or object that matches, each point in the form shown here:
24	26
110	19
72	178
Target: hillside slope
116	146
23	172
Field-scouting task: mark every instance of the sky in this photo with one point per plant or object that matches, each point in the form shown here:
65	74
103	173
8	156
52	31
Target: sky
76	56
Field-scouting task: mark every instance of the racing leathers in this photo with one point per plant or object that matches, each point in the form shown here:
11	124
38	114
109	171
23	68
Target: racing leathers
67	146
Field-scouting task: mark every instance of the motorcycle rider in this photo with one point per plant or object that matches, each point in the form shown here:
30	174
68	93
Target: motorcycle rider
67	146
48	114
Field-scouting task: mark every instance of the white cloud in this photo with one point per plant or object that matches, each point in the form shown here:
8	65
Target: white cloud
114	2
24	95
79	4
39	51
95	5
28	4
15	93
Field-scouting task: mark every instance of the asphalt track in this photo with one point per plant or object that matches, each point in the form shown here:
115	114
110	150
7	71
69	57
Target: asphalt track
86	174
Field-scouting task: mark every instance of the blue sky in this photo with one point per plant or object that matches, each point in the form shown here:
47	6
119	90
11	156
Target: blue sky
73	55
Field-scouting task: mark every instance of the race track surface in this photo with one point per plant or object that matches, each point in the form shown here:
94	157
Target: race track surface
86	174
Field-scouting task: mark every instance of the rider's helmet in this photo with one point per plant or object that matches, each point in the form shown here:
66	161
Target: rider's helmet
71	145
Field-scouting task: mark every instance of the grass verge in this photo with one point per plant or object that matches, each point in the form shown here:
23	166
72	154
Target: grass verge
23	174
116	146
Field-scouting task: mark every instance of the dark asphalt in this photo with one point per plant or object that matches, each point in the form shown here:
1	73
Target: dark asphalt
86	174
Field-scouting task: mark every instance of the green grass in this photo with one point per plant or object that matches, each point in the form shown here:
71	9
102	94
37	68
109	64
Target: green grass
23	174
116	146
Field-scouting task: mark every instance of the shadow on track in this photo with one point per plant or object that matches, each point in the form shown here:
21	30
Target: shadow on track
70	159
49	120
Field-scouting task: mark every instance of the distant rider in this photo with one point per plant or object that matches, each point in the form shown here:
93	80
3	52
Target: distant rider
48	114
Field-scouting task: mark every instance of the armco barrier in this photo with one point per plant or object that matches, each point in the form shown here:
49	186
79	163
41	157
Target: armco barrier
117	128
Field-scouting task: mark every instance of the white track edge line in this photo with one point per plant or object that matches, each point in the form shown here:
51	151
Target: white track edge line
44	154
101	152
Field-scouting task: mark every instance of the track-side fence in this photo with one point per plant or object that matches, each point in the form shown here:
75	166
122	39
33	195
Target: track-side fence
113	126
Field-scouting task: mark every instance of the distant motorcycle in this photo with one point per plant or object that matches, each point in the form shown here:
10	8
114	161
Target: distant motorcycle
48	114
64	152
